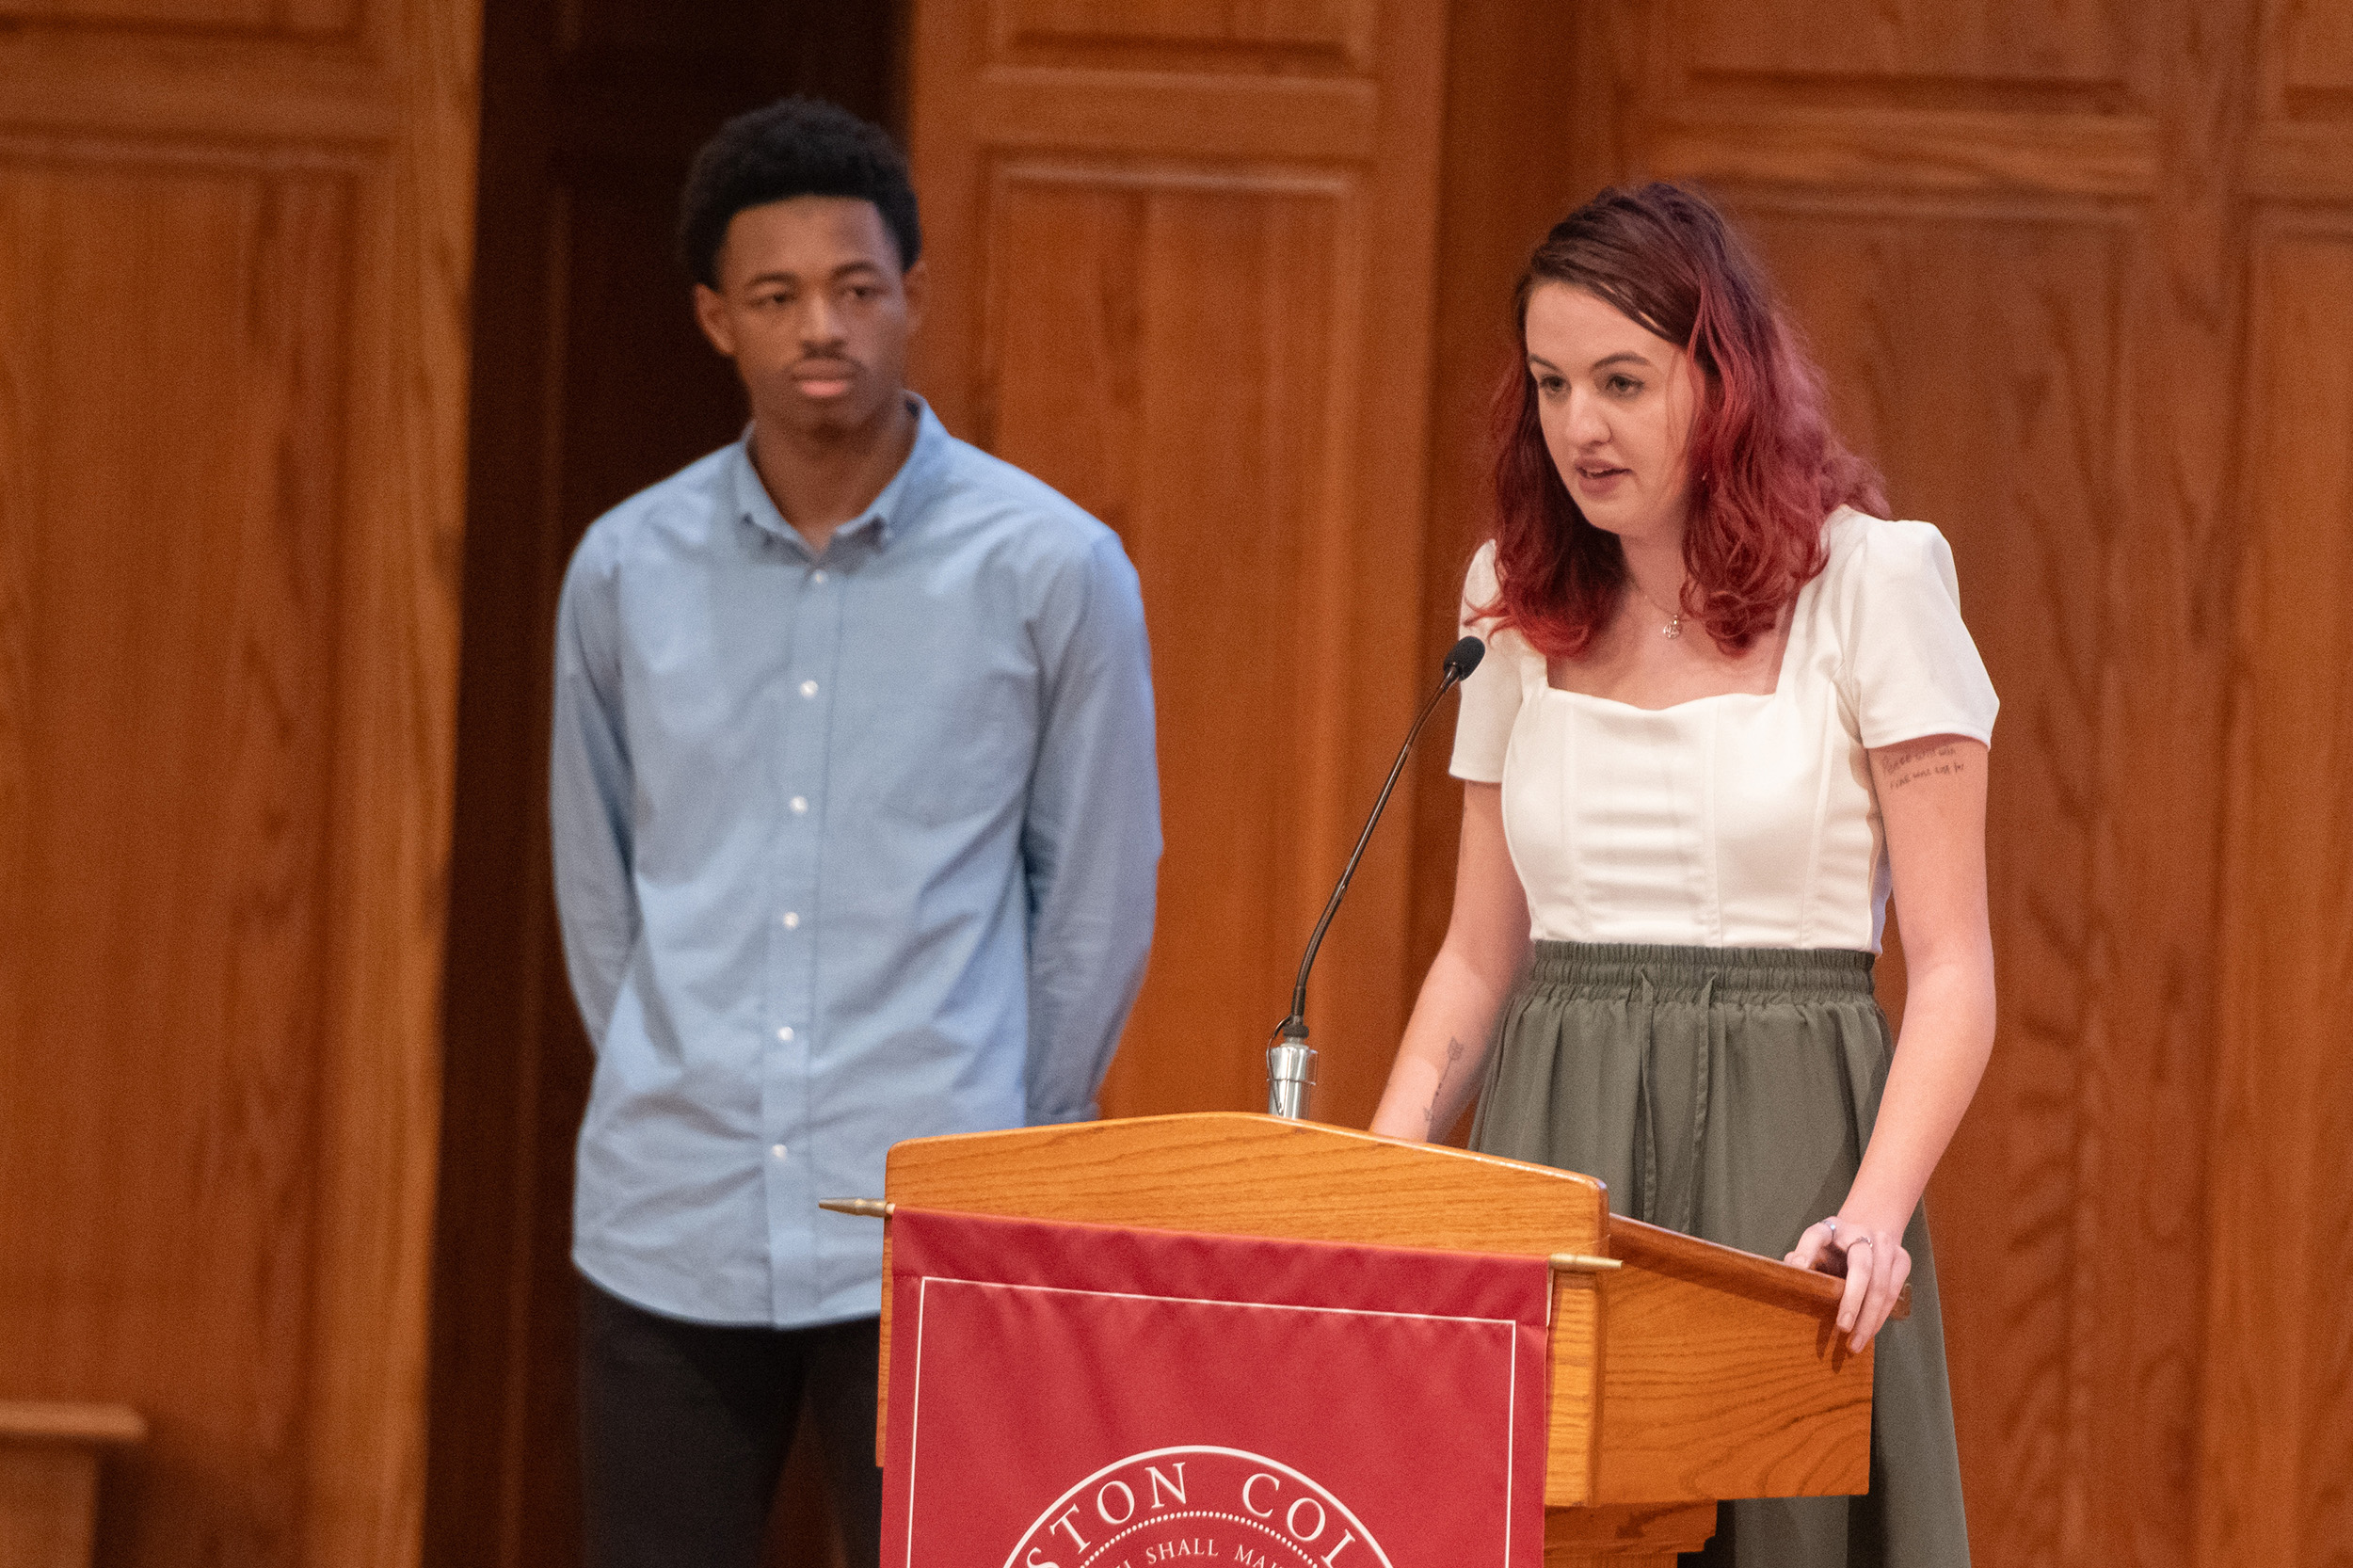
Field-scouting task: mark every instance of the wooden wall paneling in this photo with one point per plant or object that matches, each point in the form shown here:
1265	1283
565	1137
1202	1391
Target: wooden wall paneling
2309	57
295	18
171	88
232	631
1244	394
1302	34
380	1092
2023	307
2277	1384
1908	309
590	382
2303	145
1098	379
187	599
20	248
1960	99
1507	175
1902	47
2163	788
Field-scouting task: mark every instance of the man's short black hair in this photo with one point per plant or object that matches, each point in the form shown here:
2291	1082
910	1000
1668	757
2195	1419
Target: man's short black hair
796	146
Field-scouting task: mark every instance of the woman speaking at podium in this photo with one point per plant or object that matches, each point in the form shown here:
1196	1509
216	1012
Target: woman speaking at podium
1726	708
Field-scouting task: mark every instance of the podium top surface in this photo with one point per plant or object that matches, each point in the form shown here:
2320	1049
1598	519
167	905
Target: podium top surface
1248	1174
1257	1176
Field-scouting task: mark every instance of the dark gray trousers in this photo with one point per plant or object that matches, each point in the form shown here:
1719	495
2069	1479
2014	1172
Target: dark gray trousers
684	1429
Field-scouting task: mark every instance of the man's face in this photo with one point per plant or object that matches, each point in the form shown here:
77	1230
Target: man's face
813	309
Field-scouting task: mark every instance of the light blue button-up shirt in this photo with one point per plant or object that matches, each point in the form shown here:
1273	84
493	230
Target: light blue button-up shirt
850	847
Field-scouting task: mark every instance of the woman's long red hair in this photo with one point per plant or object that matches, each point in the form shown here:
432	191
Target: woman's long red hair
1766	466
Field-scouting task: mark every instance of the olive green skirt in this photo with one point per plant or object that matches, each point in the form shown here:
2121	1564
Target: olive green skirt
1727	1092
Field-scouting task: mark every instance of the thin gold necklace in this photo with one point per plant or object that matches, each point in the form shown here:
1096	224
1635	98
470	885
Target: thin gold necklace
1675	618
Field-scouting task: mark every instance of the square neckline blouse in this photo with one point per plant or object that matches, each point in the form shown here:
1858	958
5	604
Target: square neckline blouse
1739	819
1781	672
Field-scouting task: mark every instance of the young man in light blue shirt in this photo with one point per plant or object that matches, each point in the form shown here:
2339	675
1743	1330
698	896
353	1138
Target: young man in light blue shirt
856	821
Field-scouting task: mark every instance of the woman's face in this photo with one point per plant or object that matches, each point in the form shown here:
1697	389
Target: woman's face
1616	402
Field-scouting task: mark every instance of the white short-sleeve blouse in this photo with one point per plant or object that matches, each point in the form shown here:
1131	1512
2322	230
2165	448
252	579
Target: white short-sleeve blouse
1746	819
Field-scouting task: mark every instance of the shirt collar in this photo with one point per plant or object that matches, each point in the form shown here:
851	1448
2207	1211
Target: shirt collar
890	515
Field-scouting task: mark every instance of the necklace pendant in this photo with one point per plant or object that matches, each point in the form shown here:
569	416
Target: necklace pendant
1673	629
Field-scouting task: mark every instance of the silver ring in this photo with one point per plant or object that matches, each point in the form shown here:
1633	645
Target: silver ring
1831	1224
1858	1242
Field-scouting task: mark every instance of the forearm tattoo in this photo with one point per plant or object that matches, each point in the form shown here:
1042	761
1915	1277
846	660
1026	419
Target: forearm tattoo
1430	1112
1909	764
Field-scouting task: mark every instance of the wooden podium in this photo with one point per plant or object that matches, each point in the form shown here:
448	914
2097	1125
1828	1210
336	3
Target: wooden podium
1682	1373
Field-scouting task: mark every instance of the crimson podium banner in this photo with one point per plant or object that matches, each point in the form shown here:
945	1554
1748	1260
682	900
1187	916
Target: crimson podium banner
1069	1395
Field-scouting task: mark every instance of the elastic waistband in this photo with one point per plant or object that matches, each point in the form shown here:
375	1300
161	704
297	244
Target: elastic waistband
1723	974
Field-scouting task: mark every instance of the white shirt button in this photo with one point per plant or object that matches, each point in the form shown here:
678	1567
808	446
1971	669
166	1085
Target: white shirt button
777	1149
808	688
800	803
784	1034
791	921
817	576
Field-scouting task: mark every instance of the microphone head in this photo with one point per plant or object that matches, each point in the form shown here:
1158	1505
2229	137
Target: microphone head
1463	658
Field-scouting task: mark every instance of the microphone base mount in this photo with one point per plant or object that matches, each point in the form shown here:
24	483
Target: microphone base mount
1290	1077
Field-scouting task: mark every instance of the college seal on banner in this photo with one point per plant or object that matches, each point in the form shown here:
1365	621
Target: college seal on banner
1184	1506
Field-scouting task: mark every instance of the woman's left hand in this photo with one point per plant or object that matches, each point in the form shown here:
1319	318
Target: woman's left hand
1872	1261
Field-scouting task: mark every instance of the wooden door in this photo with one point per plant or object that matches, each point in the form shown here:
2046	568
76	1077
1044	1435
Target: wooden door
1182	263
233	244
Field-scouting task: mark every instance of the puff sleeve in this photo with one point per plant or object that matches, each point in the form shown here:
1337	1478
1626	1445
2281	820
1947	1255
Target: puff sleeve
1910	668
1491	697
